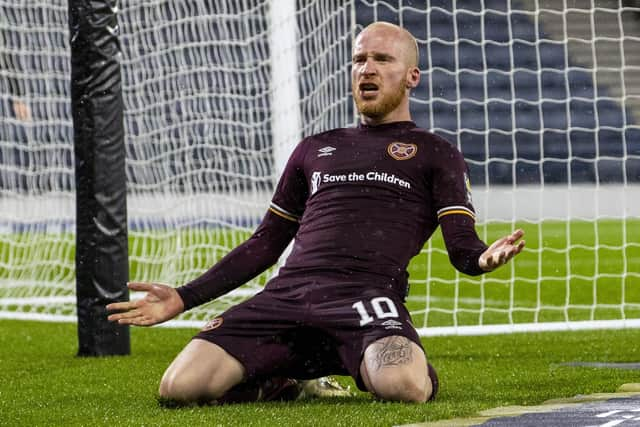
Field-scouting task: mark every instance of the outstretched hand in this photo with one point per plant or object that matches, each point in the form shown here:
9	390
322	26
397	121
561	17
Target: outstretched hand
160	304
501	251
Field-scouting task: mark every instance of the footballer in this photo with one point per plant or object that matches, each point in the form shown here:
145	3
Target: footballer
358	204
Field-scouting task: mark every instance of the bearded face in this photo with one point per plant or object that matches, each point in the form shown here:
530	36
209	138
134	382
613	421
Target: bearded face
378	99
383	71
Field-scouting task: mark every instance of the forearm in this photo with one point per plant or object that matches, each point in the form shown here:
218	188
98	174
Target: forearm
463	244
242	264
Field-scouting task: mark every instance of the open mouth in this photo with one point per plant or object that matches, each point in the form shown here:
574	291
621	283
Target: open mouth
368	89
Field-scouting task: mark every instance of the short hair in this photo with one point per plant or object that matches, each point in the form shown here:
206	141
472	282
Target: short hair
414	57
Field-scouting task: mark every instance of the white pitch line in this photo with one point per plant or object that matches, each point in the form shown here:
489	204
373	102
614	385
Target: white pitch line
464	300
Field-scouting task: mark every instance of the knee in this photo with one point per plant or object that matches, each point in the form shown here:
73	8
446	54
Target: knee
175	387
403	387
181	387
202	372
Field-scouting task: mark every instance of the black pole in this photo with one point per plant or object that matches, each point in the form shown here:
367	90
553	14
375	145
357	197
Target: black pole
102	268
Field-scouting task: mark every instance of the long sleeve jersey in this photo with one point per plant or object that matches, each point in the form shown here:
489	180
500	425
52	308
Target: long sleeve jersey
359	203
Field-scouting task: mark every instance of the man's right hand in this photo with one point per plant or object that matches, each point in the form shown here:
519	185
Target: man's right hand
160	304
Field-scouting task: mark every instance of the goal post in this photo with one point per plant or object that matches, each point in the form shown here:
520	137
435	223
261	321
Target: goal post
102	262
285	95
541	97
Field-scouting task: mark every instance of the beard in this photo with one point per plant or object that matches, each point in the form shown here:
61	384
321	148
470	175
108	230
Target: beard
383	104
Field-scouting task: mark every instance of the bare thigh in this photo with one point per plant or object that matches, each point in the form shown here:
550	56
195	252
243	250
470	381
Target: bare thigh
395	368
202	371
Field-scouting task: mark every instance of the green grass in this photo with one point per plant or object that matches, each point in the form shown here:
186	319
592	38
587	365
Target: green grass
43	383
566	268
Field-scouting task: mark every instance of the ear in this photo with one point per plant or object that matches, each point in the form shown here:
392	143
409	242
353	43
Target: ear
413	77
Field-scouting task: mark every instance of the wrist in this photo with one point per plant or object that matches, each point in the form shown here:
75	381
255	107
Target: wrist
183	299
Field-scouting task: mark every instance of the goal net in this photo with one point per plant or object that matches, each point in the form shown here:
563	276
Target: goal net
542	97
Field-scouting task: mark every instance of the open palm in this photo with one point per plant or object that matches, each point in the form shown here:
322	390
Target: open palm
160	304
501	251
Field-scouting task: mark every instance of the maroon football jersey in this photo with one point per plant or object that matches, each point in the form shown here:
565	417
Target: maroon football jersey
366	200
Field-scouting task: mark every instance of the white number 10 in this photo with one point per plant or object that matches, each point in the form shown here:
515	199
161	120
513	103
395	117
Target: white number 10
383	307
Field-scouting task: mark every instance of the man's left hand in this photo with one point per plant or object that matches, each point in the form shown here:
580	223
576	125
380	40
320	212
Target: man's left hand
501	251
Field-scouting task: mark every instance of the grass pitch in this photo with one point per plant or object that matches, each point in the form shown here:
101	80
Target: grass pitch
569	271
42	382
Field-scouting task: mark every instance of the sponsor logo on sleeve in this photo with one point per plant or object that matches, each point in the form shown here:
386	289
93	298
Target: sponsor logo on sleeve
467	185
402	151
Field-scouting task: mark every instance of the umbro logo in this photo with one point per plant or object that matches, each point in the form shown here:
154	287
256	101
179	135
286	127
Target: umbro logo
392	324
326	151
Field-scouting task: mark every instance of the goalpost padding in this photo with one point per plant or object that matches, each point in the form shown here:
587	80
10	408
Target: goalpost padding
102	268
198	96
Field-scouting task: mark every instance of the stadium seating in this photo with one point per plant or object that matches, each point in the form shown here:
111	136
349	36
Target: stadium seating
519	103
492	83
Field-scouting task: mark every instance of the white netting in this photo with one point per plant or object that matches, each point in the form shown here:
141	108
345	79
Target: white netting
199	122
36	160
542	97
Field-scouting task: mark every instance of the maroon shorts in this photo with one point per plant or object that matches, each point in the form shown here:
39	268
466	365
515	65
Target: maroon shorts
309	332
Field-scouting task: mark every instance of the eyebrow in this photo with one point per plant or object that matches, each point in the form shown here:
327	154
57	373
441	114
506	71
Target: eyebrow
376	55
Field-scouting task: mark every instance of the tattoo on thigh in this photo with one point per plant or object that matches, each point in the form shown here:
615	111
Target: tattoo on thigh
392	351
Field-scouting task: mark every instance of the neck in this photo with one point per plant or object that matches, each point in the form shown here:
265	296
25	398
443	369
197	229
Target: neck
389	118
400	114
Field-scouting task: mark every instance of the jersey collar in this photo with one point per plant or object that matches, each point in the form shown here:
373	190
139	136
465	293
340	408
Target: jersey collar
386	126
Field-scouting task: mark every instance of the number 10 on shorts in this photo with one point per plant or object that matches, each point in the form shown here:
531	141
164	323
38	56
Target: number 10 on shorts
382	308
